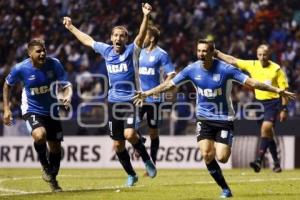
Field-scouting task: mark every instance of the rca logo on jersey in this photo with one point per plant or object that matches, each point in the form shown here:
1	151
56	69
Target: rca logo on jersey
39	90
146	71
117	68
209	93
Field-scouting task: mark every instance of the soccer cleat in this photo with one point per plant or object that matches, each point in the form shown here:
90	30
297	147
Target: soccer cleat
54	185
131	180
46	176
256	166
226	193
150	168
277	168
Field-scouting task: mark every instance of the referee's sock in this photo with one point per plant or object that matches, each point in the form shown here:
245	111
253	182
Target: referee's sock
125	162
141	149
273	150
41	150
264	144
216	172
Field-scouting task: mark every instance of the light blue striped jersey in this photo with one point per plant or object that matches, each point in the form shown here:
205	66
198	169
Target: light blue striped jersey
36	96
122	71
213	88
152	66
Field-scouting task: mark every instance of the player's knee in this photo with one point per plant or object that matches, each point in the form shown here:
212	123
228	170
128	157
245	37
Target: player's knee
131	136
153	134
223	159
39	135
55	147
207	156
119	146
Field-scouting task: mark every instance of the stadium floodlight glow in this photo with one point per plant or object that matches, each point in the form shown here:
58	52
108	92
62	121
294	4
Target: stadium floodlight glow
55	105
99	104
104	87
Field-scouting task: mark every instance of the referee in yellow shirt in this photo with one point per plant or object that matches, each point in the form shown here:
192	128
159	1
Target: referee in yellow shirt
268	72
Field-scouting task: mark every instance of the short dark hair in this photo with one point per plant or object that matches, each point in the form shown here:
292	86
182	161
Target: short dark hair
210	43
154	32
36	42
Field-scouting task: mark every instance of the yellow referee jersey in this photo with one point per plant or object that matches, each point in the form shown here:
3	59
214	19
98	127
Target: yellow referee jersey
271	75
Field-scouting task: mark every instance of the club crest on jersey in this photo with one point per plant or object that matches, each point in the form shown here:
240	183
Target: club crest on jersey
32	77
151	58
122	58
113	69
198	77
216	77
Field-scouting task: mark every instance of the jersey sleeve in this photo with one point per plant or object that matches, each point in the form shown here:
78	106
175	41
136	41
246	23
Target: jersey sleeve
282	80
181	77
13	76
100	47
246	65
237	75
167	64
61	74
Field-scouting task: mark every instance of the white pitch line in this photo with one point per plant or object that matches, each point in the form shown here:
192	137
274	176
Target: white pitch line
20	192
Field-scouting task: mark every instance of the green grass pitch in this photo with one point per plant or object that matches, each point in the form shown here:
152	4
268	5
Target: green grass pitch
183	184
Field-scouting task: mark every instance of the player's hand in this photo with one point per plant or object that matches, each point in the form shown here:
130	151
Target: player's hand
283	116
139	98
146	8
287	94
7	118
66	101
67	21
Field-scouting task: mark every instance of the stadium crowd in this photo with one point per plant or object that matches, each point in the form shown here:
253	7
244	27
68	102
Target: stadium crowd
236	26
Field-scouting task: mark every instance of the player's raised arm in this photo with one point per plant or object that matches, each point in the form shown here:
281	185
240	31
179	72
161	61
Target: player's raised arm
225	57
262	86
81	36
139	40
7	115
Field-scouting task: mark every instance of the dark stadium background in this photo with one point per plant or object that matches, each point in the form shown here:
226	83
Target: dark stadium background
237	27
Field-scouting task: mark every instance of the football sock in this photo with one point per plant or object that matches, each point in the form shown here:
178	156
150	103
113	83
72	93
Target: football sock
54	160
154	149
263	148
273	150
141	149
216	172
41	150
125	162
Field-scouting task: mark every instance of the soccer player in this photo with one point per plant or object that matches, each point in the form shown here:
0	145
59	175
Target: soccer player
213	81
121	62
154	62
37	73
270	73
